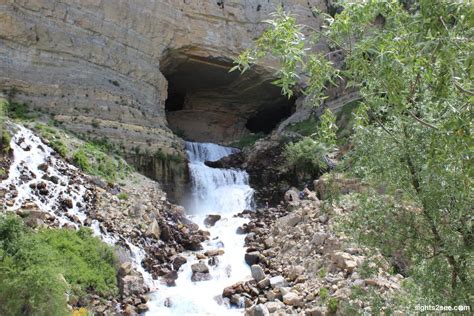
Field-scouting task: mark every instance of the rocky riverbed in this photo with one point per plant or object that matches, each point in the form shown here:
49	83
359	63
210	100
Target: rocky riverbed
301	265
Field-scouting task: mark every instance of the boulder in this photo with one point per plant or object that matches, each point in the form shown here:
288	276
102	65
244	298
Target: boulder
252	258
200	267
131	285
274	306
277	282
344	260
211	220
200	272
214	252
292	195
178	261
153	230
292	299
257	272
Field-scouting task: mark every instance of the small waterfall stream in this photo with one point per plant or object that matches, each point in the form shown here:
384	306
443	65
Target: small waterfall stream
35	163
223	192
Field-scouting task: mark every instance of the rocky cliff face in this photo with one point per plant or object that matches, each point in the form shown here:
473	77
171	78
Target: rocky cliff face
95	64
98	66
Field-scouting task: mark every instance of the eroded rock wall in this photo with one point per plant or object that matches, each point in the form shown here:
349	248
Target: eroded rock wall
95	64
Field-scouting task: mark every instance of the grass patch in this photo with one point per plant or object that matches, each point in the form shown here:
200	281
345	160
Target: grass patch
38	268
324	293
247	140
91	159
162	156
122	196
53	138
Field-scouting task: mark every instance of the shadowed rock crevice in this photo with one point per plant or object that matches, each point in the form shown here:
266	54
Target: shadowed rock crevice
207	103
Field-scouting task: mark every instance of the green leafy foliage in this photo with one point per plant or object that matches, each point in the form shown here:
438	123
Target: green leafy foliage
306	155
412	64
37	269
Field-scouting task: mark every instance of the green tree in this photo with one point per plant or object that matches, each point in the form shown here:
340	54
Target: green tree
413	66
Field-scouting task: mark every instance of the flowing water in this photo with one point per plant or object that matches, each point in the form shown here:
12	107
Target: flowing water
214	191
35	163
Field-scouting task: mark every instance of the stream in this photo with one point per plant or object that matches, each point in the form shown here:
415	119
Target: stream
223	192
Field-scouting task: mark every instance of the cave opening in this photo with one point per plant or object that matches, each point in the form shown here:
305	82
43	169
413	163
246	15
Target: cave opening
207	103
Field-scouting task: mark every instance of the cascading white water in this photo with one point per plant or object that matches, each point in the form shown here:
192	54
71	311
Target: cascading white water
30	156
214	191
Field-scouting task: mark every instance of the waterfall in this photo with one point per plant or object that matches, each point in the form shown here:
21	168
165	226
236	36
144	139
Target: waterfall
216	190
223	192
34	162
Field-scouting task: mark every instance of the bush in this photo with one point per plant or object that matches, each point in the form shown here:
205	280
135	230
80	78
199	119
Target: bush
36	269
306	155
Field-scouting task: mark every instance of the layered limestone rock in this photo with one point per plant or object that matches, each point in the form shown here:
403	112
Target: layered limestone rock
97	66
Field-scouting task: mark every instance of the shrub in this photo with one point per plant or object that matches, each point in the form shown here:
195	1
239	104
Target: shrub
93	160
36	269
306	155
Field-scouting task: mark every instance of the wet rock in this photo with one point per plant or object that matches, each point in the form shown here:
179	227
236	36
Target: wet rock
200	272
198	277
43	167
142	308
214	252
200	267
178	261
252	258
211	220
193	243
213	261
257	272
67	203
